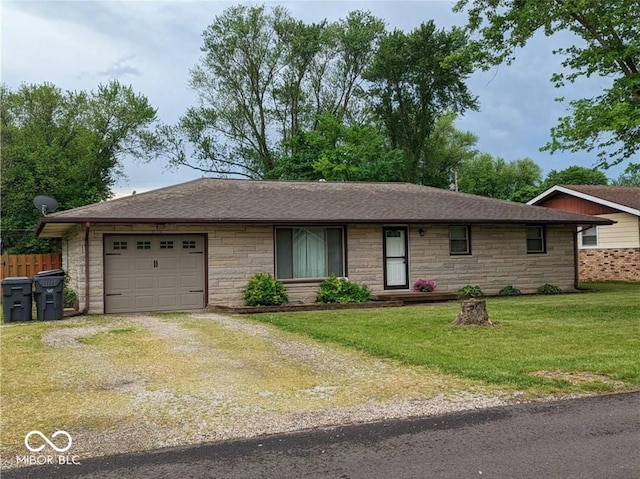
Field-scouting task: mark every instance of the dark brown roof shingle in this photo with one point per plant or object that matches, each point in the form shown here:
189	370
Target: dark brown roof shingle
209	200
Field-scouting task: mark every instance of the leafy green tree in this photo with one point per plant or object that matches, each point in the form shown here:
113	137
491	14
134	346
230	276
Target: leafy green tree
263	78
629	178
67	145
337	152
496	178
415	78
575	175
447	148
609	47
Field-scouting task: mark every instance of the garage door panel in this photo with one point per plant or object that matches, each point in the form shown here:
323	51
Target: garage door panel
119	263
118	284
170	264
154	273
191	300
143	264
120	303
190	281
145	302
144	283
168	301
167	282
190	262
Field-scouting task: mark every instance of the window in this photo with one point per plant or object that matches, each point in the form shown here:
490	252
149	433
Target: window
119	245
589	236
459	240
536	240
315	252
143	245
191	244
166	244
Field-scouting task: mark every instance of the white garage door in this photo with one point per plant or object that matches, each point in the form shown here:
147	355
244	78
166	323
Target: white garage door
153	273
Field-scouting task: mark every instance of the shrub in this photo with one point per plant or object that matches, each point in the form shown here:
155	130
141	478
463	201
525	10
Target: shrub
549	289
69	297
341	290
264	290
424	285
470	291
509	291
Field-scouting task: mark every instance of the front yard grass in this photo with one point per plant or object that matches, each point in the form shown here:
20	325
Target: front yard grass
567	343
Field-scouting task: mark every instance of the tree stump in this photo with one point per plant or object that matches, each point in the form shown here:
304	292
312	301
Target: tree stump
473	312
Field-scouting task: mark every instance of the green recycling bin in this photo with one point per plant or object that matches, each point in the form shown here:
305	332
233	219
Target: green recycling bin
49	286
16	299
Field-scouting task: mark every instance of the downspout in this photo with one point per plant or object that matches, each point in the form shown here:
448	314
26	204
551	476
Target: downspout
87	226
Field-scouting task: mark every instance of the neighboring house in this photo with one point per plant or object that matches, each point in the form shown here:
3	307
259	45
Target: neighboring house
606	252
198	243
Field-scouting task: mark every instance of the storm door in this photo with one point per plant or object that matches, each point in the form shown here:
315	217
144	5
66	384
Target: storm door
395	258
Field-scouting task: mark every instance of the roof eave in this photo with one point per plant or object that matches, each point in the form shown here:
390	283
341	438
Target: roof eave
287	221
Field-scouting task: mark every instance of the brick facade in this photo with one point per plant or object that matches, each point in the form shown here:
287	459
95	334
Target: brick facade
622	264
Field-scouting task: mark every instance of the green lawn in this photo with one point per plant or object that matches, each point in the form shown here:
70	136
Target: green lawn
571	342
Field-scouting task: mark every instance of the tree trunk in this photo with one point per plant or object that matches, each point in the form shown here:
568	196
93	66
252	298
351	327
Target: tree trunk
473	312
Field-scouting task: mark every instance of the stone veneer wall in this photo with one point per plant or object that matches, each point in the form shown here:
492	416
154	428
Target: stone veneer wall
620	264
498	258
237	252
73	262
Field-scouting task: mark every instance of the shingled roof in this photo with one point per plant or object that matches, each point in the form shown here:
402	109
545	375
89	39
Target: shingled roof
625	198
210	200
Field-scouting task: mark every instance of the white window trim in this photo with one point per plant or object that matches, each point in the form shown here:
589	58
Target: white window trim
597	245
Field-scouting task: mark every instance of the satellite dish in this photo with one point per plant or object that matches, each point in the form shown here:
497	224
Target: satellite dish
45	204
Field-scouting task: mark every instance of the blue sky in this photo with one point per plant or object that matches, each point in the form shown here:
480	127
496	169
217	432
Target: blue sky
152	45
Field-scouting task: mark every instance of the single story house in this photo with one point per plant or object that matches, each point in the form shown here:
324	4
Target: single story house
197	244
605	252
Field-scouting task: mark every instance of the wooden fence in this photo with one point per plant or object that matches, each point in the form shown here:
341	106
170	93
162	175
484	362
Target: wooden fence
28	264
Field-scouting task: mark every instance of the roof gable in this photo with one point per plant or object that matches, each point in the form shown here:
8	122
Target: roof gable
210	200
621	198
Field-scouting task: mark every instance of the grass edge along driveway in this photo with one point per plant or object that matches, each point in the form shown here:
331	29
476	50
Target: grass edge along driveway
570	343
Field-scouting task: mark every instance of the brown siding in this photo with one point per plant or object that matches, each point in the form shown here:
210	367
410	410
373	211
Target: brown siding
564	202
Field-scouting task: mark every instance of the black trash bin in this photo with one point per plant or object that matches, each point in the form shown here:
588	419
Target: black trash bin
16	299
49	288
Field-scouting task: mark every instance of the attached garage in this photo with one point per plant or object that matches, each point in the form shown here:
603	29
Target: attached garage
197	244
154	272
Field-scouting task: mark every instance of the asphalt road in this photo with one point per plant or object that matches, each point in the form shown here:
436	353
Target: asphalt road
597	437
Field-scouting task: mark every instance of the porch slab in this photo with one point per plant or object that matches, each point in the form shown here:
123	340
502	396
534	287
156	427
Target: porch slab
411	297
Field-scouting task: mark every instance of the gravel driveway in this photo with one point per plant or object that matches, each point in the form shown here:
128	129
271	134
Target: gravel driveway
185	379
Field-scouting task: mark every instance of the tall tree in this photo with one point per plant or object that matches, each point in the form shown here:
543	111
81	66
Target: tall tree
609	47
264	77
447	148
66	145
416	78
496	178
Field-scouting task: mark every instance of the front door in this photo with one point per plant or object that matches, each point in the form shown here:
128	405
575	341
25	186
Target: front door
395	257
